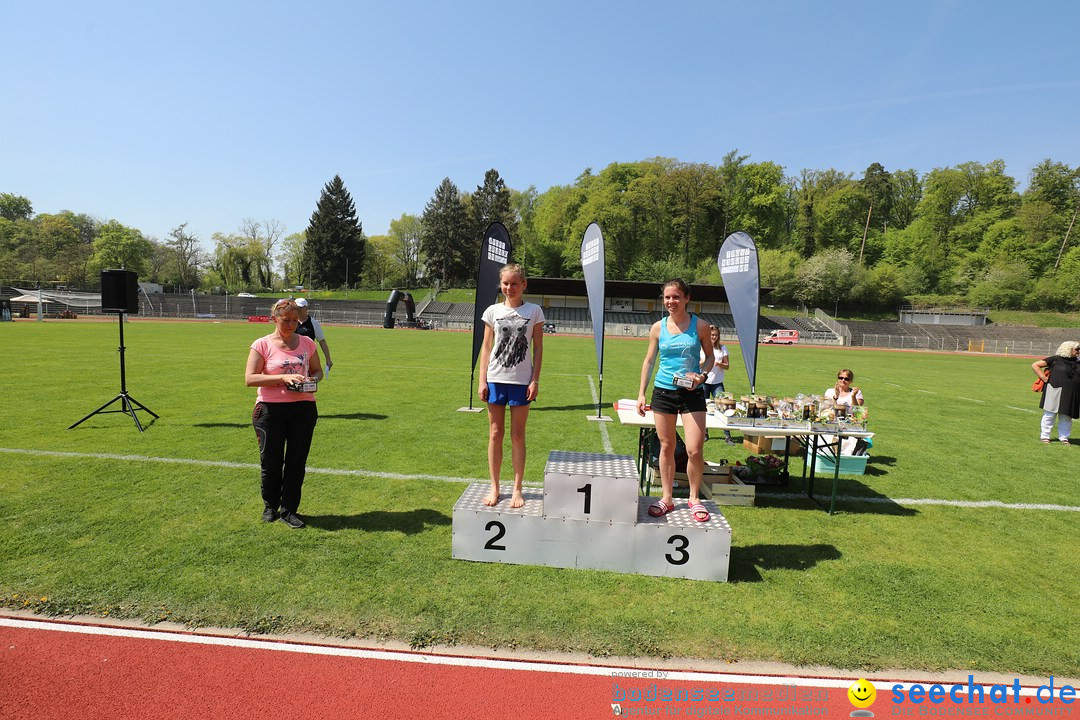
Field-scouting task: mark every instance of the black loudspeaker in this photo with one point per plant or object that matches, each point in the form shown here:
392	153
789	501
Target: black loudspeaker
119	292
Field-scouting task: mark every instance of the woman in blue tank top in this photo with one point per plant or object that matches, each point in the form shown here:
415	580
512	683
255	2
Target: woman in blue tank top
679	340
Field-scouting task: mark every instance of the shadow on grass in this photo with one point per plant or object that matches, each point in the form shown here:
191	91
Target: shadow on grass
352	416
852	496
872	465
145	418
746	562
409	522
544	408
328	416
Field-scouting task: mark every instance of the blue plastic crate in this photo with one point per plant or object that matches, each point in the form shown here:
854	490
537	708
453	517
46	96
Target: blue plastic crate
849	464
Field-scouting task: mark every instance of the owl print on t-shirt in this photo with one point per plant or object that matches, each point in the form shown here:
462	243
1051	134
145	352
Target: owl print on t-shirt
511	342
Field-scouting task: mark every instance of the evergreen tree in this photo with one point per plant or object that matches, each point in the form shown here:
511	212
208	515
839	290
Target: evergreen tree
334	251
491	203
877	184
446	240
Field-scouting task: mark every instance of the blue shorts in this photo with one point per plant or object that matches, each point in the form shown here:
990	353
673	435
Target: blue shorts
506	394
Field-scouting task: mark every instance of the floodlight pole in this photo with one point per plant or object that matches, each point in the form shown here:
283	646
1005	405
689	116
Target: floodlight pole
128	404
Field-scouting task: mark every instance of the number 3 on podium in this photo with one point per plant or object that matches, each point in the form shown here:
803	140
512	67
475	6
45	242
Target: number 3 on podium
680	544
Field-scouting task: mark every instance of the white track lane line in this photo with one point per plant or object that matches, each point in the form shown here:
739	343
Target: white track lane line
426	658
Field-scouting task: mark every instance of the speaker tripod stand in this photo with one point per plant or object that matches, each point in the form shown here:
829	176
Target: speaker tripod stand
128	404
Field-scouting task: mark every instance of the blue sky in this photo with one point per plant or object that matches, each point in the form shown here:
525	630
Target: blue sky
155	113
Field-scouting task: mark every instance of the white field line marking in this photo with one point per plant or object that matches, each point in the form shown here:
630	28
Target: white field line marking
445	478
603	425
970	399
928	392
938	501
235	465
429	659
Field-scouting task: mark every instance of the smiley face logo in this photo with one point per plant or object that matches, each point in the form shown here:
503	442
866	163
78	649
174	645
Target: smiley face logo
862	694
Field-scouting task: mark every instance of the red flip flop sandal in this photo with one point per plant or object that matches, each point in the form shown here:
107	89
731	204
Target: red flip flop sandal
697	510
660	508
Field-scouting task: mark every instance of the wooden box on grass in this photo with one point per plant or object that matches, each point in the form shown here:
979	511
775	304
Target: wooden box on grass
770	444
730	490
717	484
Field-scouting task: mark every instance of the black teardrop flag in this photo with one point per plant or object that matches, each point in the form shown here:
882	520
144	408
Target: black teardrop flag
494	253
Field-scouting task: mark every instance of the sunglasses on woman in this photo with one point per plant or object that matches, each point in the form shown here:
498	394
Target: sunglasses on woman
843	377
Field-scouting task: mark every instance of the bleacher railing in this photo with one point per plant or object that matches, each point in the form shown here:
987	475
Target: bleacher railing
841	331
1041	348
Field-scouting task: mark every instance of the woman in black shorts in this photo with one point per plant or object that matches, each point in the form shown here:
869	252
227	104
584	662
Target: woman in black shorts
679	339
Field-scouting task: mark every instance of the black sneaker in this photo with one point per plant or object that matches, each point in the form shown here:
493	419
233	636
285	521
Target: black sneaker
270	515
291	519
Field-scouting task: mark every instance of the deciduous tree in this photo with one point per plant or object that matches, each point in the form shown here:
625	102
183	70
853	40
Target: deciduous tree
187	256
406	232
118	246
15	207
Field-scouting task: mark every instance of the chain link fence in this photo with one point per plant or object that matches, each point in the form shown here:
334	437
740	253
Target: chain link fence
1042	348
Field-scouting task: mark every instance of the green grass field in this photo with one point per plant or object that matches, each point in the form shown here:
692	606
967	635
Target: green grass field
165	524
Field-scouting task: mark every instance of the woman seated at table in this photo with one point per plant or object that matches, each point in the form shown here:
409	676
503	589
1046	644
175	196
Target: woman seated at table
846	396
843	392
680	339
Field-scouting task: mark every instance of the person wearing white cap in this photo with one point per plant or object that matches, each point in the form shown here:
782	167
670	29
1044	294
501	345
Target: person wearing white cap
311	328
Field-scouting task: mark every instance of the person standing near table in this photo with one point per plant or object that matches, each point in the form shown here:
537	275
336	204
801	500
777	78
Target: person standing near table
714	383
510	359
1061	393
310	327
284	418
678	340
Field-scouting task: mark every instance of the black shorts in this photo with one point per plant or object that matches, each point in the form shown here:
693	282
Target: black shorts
678	401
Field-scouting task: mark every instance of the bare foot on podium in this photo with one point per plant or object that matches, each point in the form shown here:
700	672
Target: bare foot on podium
492	498
517	501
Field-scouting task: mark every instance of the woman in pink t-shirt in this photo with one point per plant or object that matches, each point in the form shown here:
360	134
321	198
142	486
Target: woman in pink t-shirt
284	415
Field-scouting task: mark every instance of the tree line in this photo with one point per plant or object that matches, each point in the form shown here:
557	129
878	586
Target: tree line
954	235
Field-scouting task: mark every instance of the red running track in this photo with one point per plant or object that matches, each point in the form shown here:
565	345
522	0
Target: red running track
51	669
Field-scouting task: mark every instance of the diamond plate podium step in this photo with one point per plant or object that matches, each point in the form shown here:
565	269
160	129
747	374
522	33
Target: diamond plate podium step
591	487
674	545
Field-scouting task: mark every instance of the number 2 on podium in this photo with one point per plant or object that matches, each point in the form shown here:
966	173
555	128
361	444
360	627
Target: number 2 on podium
500	530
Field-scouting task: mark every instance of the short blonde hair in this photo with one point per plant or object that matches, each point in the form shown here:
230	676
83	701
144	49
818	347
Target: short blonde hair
283	306
1066	348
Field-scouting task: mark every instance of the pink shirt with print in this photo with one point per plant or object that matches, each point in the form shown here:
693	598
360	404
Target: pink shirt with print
278	361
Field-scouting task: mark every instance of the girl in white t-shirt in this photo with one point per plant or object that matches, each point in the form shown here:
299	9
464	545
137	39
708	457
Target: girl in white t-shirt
510	360
714	383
